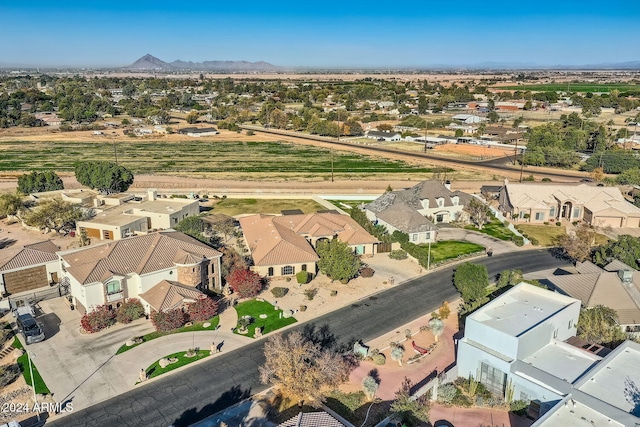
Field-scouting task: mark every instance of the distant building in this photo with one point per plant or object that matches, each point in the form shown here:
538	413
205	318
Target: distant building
384	135
468	119
198	132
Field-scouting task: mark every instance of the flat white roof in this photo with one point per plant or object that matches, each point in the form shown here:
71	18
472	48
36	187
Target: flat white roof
571	413
616	380
521	308
562	360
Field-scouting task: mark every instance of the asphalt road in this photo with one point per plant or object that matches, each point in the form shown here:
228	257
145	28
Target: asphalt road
199	391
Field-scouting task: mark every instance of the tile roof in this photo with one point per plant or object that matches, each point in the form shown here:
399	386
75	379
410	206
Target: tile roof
33	254
312	419
139	254
412	197
167	295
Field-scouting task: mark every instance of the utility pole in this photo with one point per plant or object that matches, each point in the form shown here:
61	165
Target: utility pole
521	165
115	152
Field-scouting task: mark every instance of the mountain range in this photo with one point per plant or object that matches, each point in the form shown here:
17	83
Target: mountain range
150	62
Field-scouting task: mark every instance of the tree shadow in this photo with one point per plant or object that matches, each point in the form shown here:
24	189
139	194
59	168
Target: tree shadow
632	394
6	242
375	374
326	339
442	423
229	398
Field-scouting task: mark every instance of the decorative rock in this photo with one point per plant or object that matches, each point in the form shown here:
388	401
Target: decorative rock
164	362
258	332
188	324
263	316
206	324
287	313
260	299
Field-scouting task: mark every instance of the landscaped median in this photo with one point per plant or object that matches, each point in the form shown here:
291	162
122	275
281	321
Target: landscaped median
198	326
259	314
174	361
23	363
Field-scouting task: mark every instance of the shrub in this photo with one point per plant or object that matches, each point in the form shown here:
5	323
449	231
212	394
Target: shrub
461	400
250	132
447	392
379	359
245	283
398	254
310	293
130	310
558	223
5	333
8	374
333	293
519	406
575	223
534	241
202	310
303	308
302	277
98	319
279	292
546	223
518	240
529	178
169	320
367	272
546	179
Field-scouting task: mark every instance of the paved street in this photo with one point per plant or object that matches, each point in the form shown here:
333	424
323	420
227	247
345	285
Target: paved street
208	387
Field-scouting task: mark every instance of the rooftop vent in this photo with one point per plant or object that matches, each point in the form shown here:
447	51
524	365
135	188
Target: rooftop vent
626	276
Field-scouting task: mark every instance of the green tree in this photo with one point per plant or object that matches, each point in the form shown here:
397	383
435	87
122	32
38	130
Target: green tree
56	214
337	260
629	177
459	133
192	117
106	177
625	249
411	409
471	280
197	228
12	204
36	182
599	325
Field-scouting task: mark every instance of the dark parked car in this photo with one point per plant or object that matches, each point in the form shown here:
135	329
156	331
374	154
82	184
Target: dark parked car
27	325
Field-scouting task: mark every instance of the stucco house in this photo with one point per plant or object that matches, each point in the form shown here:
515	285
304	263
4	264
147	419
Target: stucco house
539	203
414	211
616	286
283	245
163	269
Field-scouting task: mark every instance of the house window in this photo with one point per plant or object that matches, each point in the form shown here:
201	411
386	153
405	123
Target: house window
288	270
304	267
552	211
439	218
539	216
454	200
570	323
492	378
576	212
114	286
428	235
270	272
440	202
414	237
213	268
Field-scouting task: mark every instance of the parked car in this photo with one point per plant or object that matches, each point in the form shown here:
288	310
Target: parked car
28	326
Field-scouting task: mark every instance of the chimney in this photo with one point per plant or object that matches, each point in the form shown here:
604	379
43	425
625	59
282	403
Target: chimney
447	185
152	194
96	203
626	276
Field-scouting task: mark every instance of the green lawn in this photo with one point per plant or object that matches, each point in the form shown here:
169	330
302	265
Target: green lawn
495	229
153	335
546	235
448	249
23	363
234	207
255	308
155	370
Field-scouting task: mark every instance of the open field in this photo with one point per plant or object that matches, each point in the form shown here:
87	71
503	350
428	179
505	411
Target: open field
234	207
574	87
244	160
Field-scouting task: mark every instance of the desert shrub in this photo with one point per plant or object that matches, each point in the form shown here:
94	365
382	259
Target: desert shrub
203	309
279	292
558	223
303	308
379	359
398	254
546	223
447	392
310	293
302	277
245	283
98	319
534	241
169	320
5	333
130	310
518	240
8	374
519	407
546	180
333	293
367	272
529	178
462	400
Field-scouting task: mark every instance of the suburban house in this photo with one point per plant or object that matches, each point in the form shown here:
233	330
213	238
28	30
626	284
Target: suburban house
616	286
538	203
284	245
383	135
198	132
34	267
163	269
122	215
415	210
468	119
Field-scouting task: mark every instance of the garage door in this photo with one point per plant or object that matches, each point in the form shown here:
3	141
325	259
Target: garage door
26	280
608	221
92	232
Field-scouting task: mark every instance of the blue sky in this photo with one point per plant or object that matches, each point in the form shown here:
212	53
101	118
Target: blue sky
319	34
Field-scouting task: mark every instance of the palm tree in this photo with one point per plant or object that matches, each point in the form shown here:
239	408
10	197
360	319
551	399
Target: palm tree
397	353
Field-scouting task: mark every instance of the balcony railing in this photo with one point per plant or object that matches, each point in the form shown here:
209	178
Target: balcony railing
114	296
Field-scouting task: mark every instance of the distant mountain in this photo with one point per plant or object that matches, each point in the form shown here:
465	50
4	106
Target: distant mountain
150	62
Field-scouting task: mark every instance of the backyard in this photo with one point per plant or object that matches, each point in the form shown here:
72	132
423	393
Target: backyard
234	207
255	309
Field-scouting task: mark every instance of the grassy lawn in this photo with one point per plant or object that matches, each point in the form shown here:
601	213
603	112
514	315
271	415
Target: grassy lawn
23	363
153	335
448	249
234	207
546	235
255	308
495	229
154	370
575	87
241	159
354	406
